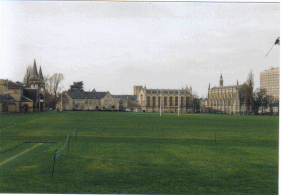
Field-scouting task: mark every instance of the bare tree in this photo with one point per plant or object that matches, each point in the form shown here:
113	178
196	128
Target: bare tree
249	90
56	81
27	75
260	99
52	88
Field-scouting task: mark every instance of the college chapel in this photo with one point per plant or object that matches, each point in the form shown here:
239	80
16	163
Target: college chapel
169	100
227	99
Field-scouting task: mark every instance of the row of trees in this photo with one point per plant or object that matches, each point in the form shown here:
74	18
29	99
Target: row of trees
52	86
258	98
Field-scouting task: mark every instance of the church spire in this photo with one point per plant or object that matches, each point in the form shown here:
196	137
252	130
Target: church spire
221	81
40	74
35	69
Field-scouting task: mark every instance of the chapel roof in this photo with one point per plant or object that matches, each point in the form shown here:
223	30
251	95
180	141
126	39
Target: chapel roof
130	97
230	86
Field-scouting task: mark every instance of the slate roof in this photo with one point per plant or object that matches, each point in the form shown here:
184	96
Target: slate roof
13	85
130	97
30	93
167	90
25	99
86	95
230	86
6	99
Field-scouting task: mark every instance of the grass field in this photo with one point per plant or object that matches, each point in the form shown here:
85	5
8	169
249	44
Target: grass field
140	153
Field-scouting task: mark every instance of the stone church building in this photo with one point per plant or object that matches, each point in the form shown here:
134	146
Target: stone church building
17	97
171	100
227	99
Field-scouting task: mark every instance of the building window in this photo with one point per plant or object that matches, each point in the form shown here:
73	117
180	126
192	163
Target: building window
148	101
187	102
182	101
165	101
171	101
154	101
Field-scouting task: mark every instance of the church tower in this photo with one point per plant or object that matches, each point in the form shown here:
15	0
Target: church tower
36	81
221	81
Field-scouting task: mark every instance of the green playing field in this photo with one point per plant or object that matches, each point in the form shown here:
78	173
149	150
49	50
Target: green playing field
118	152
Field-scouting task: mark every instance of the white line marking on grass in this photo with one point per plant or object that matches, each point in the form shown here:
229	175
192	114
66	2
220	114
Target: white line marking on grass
23	123
4	162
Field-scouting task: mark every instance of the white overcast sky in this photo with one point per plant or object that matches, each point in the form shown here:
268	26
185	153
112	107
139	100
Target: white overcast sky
112	46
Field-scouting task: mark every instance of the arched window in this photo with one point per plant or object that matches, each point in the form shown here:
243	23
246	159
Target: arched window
159	101
165	101
154	101
176	101
181	101
187	102
148	101
171	101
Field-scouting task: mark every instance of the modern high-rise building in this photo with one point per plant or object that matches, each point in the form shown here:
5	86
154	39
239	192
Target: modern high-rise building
269	80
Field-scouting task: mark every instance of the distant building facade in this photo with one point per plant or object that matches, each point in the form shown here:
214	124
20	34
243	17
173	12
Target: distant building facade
227	99
170	100
269	80
78	99
17	97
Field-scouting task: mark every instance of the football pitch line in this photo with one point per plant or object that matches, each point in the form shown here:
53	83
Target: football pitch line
23	123
20	154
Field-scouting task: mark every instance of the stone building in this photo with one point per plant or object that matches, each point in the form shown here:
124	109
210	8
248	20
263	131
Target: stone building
227	99
170	99
17	97
78	99
123	102
269	80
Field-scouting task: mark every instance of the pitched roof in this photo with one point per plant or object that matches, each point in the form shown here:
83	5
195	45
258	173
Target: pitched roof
25	99
86	95
167	90
130	97
30	93
6	99
230	86
13	85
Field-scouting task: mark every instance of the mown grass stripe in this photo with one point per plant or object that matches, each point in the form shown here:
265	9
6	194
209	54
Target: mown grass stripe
10	159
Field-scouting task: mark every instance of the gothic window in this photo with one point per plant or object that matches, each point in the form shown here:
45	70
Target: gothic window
148	101
181	101
154	101
176	101
36	86
186	101
159	101
171	101
86	102
165	101
32	86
